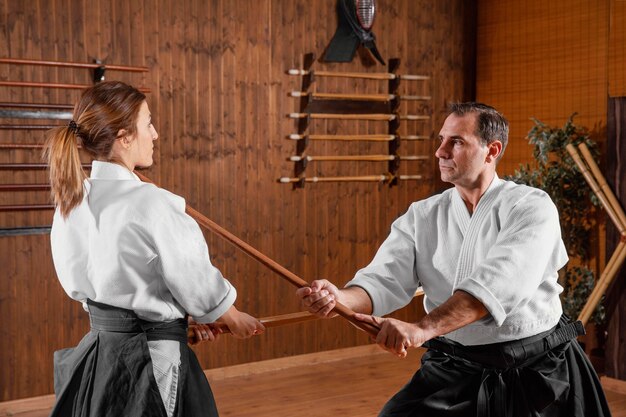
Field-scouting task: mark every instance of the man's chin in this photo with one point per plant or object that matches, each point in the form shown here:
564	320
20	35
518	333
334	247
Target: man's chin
445	178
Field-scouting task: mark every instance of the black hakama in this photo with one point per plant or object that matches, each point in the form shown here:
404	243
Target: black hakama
543	375
110	372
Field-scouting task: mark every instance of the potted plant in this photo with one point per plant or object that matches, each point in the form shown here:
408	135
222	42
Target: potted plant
555	172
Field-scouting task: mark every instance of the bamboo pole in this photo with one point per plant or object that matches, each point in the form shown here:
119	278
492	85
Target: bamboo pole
610	271
598	185
72	64
595	187
292	278
364	75
595	170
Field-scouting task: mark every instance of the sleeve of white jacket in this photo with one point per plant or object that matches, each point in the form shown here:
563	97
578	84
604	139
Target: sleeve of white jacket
390	279
527	251
184	259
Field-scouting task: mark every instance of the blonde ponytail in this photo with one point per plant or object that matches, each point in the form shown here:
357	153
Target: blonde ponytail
66	173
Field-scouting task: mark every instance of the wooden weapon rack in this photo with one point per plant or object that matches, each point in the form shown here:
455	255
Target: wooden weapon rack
376	107
36	116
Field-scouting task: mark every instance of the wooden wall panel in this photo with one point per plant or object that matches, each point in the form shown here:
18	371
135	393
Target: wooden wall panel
545	60
219	101
548	60
617	49
615	299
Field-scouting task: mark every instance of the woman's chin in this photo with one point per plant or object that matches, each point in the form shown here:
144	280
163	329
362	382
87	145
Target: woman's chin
143	165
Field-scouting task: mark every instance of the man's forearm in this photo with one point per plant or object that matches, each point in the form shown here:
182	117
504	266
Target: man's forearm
459	310
356	298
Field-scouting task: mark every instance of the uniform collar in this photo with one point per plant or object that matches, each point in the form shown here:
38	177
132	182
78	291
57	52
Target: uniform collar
108	171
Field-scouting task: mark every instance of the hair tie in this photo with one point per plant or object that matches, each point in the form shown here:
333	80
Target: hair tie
73	127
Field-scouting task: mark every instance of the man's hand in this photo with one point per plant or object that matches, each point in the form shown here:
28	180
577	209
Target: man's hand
395	336
320	298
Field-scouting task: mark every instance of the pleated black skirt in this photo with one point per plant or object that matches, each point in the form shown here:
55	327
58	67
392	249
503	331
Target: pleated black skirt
541	376
110	373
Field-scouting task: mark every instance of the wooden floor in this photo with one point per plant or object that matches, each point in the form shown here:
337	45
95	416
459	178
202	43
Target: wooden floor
353	382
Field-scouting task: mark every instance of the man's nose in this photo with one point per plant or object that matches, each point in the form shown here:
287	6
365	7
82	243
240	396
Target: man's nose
442	151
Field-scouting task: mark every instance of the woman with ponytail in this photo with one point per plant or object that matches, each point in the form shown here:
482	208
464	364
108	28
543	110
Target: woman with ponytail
138	263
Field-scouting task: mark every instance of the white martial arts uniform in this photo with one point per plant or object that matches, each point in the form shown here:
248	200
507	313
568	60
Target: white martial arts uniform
506	254
130	244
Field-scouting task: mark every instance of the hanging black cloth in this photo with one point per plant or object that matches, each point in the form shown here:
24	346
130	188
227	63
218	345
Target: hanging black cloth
110	374
540	376
349	35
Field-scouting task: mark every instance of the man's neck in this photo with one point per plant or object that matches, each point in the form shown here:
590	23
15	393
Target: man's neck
471	195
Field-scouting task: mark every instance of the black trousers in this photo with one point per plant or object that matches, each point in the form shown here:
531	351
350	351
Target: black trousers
110	374
544	375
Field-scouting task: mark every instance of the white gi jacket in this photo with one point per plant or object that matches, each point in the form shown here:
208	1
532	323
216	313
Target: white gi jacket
130	244
506	254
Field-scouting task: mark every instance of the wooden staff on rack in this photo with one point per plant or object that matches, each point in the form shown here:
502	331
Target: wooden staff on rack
364	116
21	146
72	64
371	138
6	104
30	167
598	185
369	158
363	97
35	114
54	85
23	207
270	263
24	187
26	127
364	75
355	178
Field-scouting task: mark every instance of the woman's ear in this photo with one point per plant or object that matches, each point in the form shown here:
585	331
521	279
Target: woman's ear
124	138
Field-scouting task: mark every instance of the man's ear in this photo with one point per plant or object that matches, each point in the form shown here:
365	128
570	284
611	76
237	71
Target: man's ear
495	148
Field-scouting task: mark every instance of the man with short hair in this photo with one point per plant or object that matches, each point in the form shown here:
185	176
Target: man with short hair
486	253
